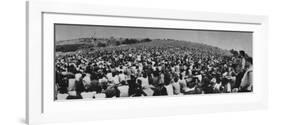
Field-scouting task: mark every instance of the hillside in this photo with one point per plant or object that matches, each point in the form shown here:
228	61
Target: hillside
88	44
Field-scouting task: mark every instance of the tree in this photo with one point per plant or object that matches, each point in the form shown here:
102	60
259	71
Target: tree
101	45
118	43
146	40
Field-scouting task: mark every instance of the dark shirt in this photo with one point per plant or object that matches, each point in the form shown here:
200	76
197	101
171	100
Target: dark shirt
160	90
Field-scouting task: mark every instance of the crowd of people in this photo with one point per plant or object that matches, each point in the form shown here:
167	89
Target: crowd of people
150	71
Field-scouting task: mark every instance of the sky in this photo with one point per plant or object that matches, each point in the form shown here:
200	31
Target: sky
223	39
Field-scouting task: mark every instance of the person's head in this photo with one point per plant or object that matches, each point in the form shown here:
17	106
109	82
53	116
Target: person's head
123	83
242	53
249	61
144	75
176	79
155	74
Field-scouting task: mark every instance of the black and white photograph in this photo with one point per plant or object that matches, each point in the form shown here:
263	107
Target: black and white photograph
100	62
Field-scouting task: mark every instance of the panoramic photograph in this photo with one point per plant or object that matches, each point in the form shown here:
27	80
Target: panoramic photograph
101	62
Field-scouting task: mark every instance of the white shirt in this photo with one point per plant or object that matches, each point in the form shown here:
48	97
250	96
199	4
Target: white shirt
78	76
87	79
228	87
62	96
124	90
144	82
217	86
116	79
247	79
71	84
243	62
103	80
139	58
169	89
176	87
182	82
109	76
122	77
88	95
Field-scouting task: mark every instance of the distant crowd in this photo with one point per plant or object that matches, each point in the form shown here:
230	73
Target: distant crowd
150	71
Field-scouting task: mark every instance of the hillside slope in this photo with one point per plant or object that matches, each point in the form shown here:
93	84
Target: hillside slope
88	44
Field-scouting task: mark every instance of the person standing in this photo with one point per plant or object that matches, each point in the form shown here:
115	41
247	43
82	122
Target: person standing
247	80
